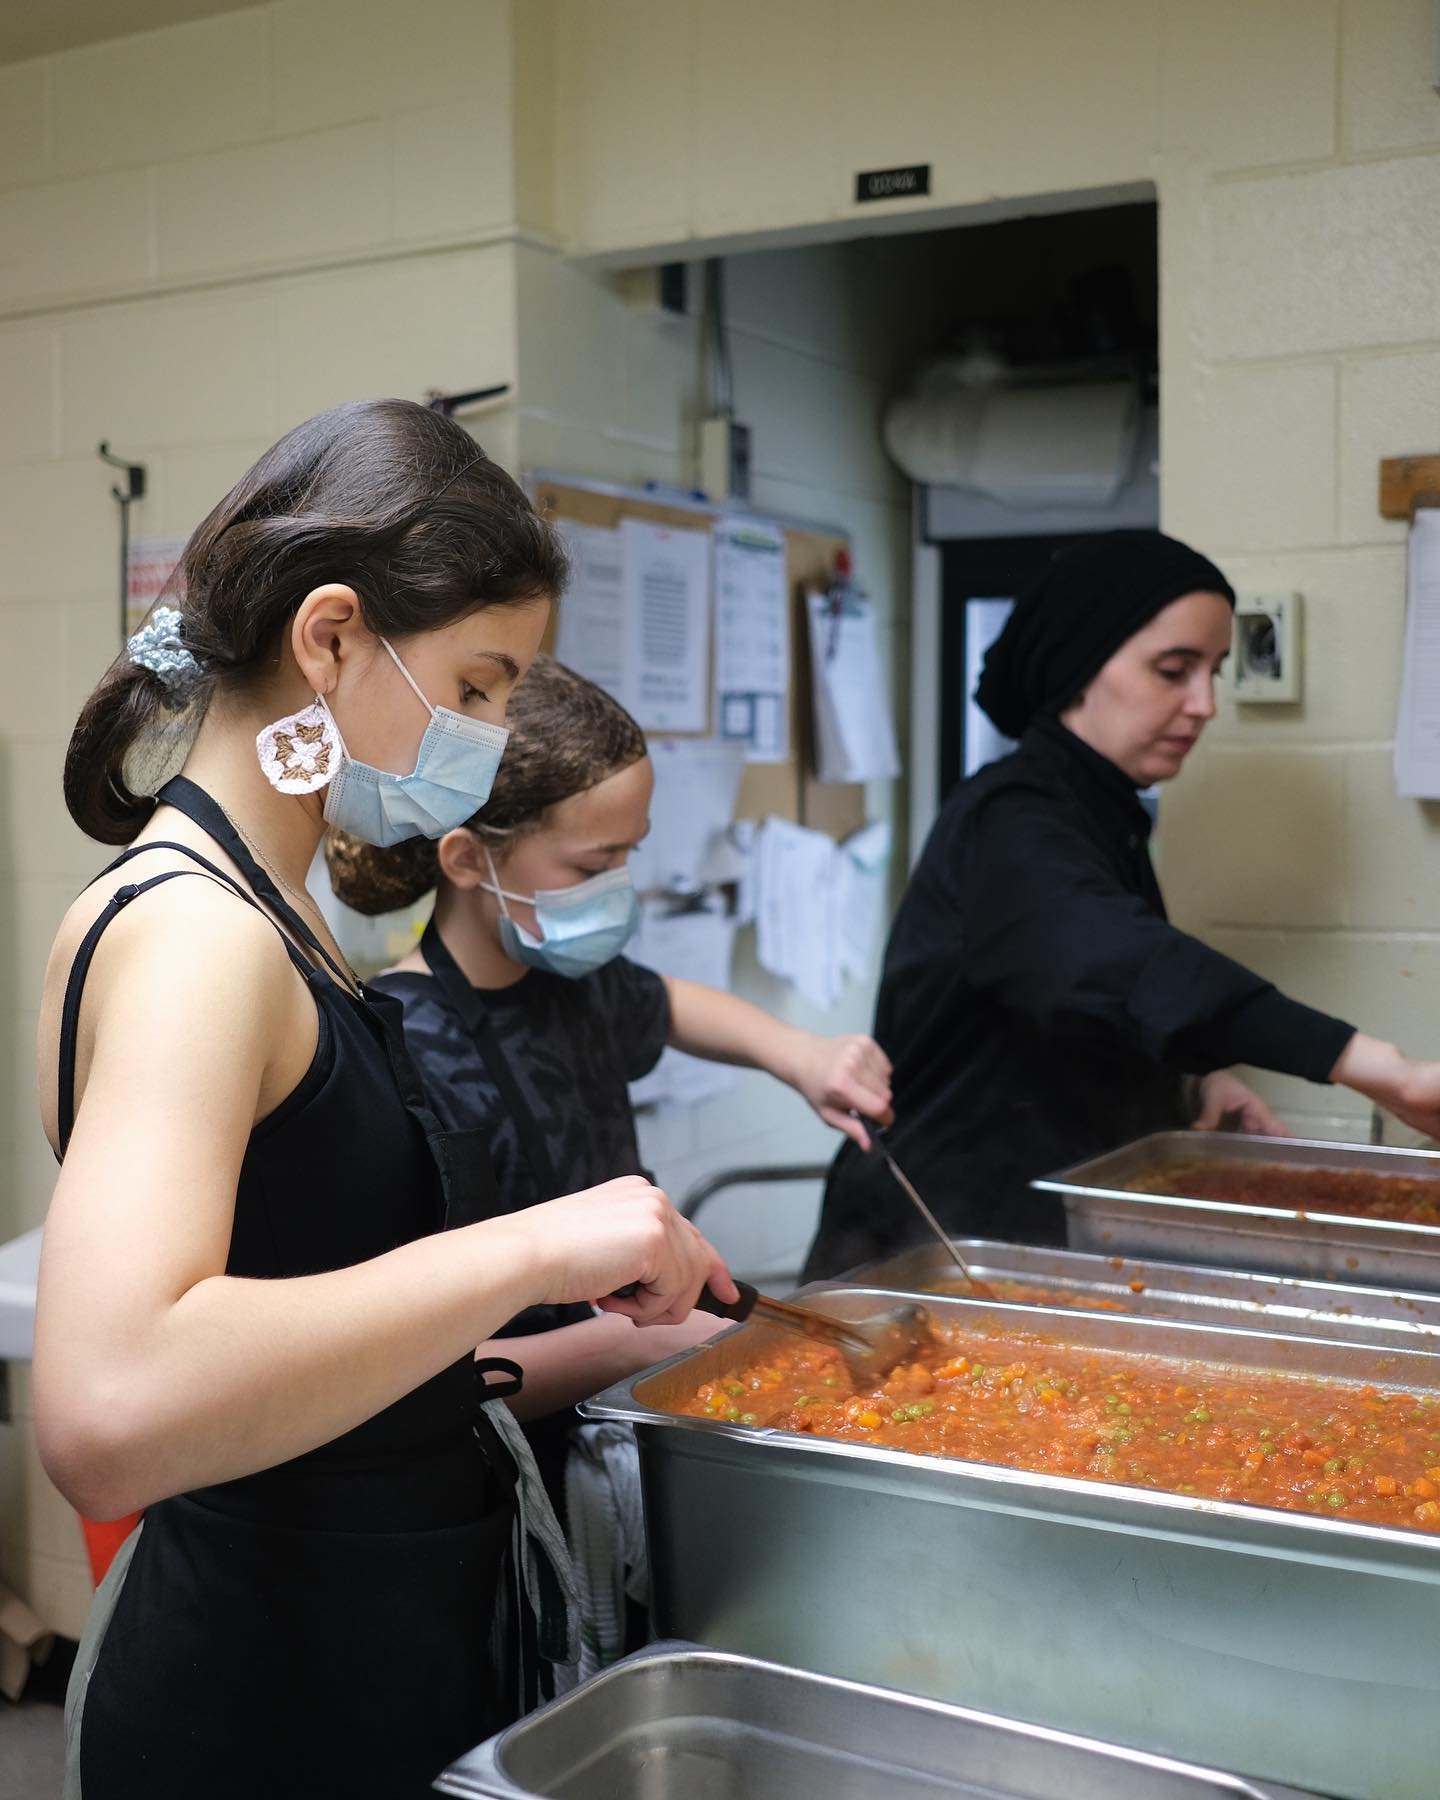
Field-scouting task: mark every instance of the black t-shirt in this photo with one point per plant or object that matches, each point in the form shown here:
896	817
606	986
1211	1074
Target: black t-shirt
571	1047
1039	1008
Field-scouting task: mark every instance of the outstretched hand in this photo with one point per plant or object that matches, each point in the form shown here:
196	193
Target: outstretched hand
842	1077
1224	1097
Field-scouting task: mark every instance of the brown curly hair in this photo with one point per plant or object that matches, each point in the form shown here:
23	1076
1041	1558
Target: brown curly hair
566	735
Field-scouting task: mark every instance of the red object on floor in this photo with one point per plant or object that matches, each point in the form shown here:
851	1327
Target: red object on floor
103	1538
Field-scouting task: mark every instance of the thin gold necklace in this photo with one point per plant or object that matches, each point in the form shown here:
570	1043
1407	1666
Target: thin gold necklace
305	900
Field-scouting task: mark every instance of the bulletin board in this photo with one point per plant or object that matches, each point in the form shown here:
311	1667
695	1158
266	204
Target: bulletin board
789	790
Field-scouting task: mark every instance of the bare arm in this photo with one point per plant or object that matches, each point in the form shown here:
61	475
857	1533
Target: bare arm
839	1076
154	1370
567	1365
1409	1089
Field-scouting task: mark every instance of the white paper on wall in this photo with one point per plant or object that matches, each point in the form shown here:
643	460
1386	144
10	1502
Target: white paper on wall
697	782
854	724
667	607
1417	730
797	909
752	638
693	945
590	632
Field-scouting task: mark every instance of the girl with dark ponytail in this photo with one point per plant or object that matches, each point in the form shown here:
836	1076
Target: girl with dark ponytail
267	1264
526	1020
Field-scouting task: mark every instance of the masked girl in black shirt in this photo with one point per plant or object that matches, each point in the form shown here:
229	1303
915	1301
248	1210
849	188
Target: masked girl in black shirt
527	1021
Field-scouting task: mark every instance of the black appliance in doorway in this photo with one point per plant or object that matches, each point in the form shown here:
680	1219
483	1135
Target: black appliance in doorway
979	579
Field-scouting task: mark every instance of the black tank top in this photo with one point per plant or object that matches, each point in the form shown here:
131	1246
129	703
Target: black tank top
268	1625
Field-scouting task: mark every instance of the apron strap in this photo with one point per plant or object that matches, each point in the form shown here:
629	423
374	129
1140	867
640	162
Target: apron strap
90	943
198	806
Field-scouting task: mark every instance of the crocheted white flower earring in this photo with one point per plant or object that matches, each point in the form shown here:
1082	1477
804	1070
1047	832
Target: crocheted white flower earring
302	751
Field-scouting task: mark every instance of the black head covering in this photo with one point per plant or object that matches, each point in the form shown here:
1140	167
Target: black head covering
1065	629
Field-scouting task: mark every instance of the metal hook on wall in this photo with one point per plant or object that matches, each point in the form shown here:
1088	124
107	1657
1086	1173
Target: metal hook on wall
124	497
449	404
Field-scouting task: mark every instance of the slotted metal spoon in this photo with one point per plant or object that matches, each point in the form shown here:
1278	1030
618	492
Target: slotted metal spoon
870	1347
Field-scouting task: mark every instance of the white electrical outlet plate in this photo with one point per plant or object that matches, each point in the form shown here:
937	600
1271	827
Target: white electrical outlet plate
1266	656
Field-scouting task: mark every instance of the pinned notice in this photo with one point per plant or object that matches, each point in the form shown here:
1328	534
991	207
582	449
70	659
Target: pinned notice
797	910
697	781
696	944
854	726
752	638
590	635
1417	731
667	605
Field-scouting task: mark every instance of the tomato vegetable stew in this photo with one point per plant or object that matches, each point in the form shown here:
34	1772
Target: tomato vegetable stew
1025	1401
1023	1293
1361	1193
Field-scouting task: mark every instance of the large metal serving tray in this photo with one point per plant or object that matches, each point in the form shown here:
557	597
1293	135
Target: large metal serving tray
678	1722
1292	1648
1396	1319
1104	1215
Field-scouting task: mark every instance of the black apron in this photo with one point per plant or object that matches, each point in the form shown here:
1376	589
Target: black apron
548	1436
332	1625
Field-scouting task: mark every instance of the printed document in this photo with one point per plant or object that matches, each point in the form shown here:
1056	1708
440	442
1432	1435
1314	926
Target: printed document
667	606
752	638
1417	731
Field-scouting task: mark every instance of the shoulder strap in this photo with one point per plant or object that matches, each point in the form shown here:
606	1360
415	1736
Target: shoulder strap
474	1015
201	809
85	955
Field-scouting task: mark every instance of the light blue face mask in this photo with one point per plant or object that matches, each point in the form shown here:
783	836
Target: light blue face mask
583	927
454	771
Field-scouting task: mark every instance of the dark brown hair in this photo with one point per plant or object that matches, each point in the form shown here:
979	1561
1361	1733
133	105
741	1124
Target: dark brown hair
566	735
393	499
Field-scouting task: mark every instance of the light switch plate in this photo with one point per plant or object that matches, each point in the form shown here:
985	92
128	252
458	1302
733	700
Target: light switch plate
1267	654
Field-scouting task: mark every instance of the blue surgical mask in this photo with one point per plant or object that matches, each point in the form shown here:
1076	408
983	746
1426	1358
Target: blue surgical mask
582	927
454	771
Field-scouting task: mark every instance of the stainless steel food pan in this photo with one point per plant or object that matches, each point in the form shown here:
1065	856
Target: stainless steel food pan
1105	1215
1397	1319
1291	1648
678	1722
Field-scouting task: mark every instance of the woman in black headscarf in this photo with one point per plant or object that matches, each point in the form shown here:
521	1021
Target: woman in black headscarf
1036	1004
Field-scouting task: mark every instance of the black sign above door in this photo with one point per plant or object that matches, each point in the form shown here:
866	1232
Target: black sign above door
893	184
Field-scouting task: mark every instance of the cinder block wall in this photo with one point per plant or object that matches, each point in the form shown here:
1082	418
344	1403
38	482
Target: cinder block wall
209	233
1295	150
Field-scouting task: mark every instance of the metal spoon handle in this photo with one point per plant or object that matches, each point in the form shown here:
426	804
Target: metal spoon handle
913	1194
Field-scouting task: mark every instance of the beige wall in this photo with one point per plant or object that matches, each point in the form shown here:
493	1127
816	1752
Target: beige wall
1295	148
209	233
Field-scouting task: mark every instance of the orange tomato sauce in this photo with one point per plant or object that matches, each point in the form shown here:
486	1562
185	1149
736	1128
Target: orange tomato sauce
1022	1293
1359	1193
1023	1401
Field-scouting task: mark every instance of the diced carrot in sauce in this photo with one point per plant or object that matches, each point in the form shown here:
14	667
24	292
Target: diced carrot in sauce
1025	1400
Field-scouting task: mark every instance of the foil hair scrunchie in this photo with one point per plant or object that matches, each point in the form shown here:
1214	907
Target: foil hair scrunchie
159	646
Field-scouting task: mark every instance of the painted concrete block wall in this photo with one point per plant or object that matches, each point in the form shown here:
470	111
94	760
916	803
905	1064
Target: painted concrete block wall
210	233
613	393
1295	149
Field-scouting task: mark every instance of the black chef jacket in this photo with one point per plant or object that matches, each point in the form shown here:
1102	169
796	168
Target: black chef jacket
1039	1008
